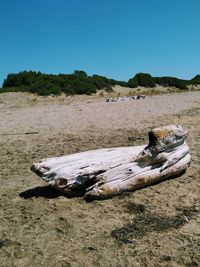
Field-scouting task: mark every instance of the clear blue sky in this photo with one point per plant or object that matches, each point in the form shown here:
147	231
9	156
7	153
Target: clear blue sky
115	38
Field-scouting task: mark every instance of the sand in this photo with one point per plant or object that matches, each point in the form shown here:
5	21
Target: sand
155	226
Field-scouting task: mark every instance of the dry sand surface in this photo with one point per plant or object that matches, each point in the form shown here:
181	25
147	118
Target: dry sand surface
155	226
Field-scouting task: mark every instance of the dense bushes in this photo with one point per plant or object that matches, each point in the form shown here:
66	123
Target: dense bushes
146	80
42	87
80	83
44	84
171	81
142	79
195	80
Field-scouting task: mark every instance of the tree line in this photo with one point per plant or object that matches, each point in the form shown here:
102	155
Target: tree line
80	83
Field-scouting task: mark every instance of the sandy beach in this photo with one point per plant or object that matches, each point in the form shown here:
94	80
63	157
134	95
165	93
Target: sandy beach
155	226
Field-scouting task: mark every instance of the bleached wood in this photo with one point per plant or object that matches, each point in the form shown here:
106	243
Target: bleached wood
104	173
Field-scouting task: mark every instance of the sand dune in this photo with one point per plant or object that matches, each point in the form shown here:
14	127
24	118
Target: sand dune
155	226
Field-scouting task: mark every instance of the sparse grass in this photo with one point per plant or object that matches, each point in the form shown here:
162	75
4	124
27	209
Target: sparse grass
130	93
32	101
11	90
101	94
146	222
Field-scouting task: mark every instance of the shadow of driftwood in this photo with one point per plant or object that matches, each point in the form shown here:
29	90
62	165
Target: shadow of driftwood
48	192
45	191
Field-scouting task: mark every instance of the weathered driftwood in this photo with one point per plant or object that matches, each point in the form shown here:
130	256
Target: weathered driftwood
124	98
104	173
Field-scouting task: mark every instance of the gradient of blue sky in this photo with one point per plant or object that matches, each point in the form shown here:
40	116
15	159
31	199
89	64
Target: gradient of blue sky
114	38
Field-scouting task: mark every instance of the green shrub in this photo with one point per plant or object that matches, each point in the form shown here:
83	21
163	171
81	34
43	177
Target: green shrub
145	80
142	79
171	81
80	87
41	87
195	80
22	79
101	82
133	82
80	74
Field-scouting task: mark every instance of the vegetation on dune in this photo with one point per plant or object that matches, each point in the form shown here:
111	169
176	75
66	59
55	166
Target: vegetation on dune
142	79
195	80
80	83
171	81
44	84
146	80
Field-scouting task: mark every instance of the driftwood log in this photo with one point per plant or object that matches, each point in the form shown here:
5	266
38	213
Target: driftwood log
104	173
124	98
